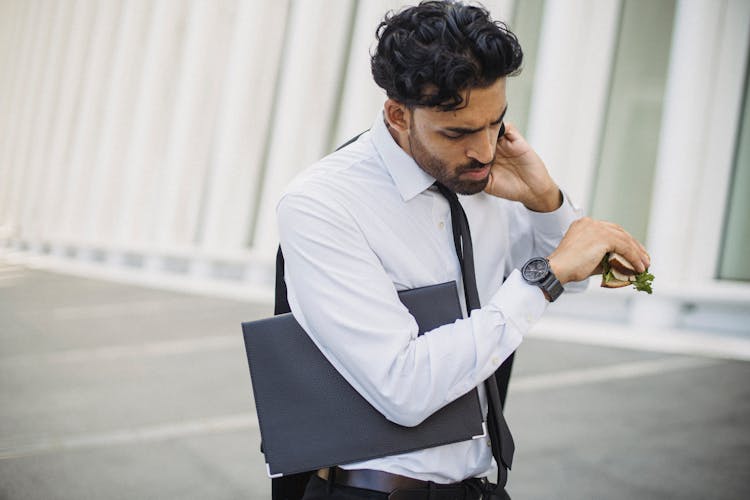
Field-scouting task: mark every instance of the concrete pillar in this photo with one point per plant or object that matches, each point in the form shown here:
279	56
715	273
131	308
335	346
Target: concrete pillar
721	126
43	116
361	98
502	10
202	72
108	169
14	19
95	81
574	60
21	138
242	125
682	157
701	106
69	95
305	104
153	117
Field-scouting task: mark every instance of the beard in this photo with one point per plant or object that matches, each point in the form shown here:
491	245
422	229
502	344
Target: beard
444	173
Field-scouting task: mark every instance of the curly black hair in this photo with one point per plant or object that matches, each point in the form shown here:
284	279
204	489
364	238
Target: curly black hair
429	53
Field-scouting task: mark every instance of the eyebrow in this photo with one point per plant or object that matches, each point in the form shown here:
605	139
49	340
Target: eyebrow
464	130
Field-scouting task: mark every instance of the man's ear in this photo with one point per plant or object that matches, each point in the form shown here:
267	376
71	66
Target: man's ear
397	115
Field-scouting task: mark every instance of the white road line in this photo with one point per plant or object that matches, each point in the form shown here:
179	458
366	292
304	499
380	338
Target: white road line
246	421
112	353
151	349
105	311
621	371
10	275
11	280
14	270
148	434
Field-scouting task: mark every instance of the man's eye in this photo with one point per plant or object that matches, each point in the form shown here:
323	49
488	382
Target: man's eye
454	137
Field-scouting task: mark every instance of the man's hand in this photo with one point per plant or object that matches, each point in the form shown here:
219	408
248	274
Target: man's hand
519	174
580	253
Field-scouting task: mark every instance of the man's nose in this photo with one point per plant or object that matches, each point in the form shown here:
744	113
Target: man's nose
482	148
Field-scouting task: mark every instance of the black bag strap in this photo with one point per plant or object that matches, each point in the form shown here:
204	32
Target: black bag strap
280	303
291	487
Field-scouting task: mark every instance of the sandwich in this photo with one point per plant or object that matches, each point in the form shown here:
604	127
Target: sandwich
617	272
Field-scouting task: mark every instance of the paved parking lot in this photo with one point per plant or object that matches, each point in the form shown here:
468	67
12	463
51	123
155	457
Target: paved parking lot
116	391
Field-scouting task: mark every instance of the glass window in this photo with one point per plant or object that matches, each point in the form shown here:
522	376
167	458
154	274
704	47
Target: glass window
527	21
734	263
622	188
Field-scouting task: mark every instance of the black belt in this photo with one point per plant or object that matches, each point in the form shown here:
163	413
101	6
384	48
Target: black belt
406	488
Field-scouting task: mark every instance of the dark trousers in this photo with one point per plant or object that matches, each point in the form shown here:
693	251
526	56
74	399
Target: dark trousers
319	489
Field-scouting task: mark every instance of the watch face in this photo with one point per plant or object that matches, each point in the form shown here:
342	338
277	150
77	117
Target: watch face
535	270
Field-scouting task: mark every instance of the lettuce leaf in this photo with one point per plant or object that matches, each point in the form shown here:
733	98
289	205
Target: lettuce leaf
607	269
642	283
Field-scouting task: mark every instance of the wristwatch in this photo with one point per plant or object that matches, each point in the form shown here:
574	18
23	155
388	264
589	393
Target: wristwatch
537	272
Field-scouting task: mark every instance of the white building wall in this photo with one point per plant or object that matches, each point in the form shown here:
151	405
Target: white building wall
152	139
309	86
153	117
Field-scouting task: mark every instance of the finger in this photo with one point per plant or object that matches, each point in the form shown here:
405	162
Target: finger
629	248
639	253
640	250
614	227
645	257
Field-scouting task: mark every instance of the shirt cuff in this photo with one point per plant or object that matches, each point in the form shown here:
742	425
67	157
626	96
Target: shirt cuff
521	304
551	222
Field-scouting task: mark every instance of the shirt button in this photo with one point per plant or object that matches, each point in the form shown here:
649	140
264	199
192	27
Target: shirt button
441	225
495	360
489	444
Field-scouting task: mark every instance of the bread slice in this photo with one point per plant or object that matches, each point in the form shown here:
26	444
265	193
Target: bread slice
621	265
617	272
621	273
614	283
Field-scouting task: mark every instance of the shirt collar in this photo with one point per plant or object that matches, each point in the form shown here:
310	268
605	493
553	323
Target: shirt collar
409	178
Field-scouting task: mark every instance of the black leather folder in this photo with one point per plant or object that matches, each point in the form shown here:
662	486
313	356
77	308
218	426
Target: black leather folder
309	415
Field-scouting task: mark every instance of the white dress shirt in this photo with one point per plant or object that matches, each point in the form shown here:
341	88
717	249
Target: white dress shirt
363	223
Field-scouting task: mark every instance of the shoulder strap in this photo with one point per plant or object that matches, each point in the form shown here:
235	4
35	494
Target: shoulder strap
281	303
290	487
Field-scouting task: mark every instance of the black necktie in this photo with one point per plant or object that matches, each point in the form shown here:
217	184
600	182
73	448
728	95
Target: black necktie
500	437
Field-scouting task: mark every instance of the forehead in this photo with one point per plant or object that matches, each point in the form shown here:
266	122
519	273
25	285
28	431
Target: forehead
482	106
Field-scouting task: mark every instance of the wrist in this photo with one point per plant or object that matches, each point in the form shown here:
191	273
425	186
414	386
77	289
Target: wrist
557	269
548	201
538	272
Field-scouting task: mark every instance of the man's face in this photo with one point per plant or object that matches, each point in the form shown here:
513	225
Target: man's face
458	147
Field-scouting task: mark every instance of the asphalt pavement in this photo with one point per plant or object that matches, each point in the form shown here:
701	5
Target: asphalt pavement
113	391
